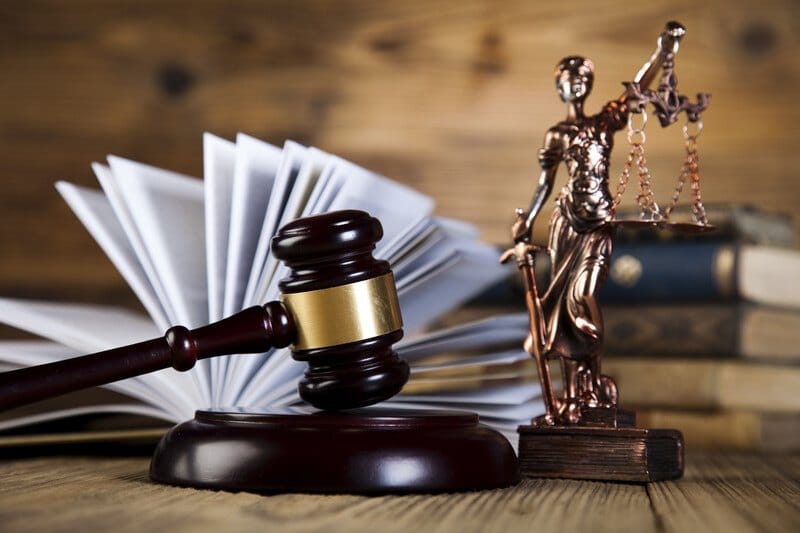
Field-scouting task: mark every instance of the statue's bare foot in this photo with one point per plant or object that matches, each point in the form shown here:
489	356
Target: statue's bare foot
608	391
543	421
570	412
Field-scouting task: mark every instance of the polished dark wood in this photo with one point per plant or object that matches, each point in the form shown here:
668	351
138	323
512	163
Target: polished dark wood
323	251
329	250
601	453
368	451
337	250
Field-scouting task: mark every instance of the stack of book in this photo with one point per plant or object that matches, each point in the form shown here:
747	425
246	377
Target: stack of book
703	332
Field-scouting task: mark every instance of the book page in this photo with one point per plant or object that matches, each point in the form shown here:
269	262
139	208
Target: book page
313	182
491	395
254	174
167	209
284	395
58	414
516	414
256	166
486	335
319	189
367	191
270	381
308	177
96	214
219	157
447	284
116	198
412	256
483	326
412	250
449	360
285	180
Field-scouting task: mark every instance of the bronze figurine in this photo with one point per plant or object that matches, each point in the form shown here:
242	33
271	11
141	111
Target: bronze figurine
566	322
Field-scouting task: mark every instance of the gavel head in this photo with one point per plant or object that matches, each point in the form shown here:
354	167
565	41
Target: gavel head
343	303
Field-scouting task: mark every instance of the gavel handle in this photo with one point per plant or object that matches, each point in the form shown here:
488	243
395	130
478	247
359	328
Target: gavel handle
253	330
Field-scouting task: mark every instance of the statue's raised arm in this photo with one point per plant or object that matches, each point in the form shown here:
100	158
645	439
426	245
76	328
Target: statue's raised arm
667	103
666	47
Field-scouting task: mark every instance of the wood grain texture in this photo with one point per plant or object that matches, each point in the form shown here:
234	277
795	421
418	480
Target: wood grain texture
732	493
452	97
718	493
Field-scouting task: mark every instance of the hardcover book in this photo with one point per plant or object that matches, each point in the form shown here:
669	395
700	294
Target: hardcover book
738	429
725	330
703	271
706	384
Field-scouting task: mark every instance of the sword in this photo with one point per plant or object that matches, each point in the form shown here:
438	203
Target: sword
524	254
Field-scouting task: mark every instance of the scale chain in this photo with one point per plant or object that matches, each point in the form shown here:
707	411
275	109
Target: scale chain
649	208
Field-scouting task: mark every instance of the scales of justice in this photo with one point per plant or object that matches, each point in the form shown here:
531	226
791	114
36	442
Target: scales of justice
583	433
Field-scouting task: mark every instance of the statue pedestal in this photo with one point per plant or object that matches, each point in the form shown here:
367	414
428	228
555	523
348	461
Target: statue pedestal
601	453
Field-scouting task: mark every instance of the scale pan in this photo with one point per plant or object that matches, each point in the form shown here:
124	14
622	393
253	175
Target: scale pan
677	227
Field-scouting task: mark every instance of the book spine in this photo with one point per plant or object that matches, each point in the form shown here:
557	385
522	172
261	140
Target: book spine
705	384
673	330
672	272
728	430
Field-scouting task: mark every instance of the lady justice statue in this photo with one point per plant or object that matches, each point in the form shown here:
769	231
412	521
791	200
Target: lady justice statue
566	321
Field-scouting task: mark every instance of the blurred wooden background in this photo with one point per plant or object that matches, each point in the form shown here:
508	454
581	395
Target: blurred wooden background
451	97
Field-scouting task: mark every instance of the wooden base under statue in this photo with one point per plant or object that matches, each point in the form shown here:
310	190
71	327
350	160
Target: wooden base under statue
367	451
600	452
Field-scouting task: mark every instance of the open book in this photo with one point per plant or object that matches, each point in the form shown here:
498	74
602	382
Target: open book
194	251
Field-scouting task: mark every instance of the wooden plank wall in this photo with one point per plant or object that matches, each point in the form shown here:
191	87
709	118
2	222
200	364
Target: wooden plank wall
451	97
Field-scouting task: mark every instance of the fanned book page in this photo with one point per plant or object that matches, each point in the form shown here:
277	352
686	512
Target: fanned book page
194	251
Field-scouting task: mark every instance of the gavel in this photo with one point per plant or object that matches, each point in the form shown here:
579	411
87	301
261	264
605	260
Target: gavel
338	311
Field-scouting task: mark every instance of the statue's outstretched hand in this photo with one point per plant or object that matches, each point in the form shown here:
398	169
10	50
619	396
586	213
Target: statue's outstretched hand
670	39
523	250
520	231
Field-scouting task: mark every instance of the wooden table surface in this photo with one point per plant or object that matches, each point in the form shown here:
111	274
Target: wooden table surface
718	493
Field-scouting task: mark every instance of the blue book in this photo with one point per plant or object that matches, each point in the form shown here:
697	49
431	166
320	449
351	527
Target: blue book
703	271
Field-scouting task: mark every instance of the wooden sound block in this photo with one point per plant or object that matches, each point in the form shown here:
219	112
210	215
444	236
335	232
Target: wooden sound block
369	451
609	454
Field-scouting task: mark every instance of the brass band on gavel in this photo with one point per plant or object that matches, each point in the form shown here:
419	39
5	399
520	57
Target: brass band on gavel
345	313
